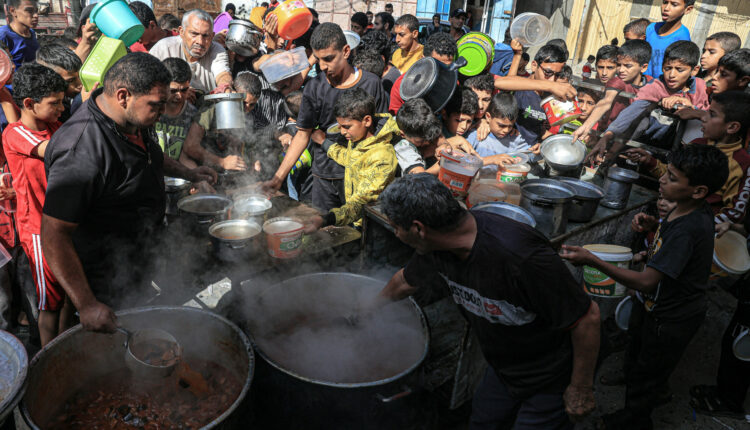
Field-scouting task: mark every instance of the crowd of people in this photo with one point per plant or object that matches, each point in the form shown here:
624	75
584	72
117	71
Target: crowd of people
88	172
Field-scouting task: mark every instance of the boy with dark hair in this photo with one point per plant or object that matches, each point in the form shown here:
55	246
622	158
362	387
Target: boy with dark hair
716	46
660	35
65	63
170	23
484	87
152	33
503	139
421	131
670	291
173	125
320	94
587	67
39	92
636	30
371	61
606	63
299	182
459	113
359	23
560	43
565	74
369	159
407	38
733	72
376	41
18	35
632	61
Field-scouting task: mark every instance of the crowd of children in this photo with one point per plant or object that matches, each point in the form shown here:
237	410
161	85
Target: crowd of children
341	132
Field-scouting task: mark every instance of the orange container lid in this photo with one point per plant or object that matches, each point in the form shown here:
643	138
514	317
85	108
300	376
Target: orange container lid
294	19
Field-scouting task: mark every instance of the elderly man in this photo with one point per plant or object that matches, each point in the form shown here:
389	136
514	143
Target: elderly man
105	196
208	60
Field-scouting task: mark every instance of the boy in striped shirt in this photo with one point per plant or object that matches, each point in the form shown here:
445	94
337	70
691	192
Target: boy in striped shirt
38	92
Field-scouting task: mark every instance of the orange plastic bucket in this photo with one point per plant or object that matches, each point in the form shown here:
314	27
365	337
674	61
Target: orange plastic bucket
283	237
294	19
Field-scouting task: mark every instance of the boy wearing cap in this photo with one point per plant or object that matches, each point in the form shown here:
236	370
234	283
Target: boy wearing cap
458	18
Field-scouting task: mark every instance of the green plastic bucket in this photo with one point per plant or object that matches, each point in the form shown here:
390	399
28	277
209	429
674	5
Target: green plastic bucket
478	50
115	19
106	52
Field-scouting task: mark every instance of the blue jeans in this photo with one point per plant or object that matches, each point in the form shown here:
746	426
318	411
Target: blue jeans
493	408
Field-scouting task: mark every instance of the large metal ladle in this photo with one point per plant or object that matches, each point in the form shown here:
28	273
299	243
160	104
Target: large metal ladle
136	364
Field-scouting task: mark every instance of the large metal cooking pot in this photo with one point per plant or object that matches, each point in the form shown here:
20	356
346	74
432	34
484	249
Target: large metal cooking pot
176	189
432	81
230	110
562	154
243	37
77	358
13	367
586	200
234	240
617	187
507	210
548	200
253	207
203	209
318	372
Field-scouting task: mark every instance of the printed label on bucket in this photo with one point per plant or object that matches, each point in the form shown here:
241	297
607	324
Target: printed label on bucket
509	176
290	244
457	183
596	283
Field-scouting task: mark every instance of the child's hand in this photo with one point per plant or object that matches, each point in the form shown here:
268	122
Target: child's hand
576	255
722	228
7	193
498	160
669	103
318	136
536	149
233	162
461	144
640	156
690	113
85	95
89	32
313	224
581	133
516	46
640	257
483	129
643	222
285	139
564	92
221	38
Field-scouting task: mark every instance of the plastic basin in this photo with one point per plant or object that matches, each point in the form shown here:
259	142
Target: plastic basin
477	49
222	21
115	19
106	52
531	29
284	64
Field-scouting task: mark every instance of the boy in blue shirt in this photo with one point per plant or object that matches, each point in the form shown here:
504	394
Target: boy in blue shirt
503	139
662	34
18	36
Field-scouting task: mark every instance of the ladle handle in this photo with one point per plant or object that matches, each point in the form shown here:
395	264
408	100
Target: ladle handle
460	62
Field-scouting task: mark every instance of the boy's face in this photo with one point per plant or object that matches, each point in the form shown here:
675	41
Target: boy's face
484	100
27	13
419	142
500	127
586	103
333	62
712	53
676	74
726	80
715	126
48	109
605	70
673	10
249	102
546	71
675	186
72	79
628	69
458	123
664	207
357	28
629	35
355	130
404	37
178	92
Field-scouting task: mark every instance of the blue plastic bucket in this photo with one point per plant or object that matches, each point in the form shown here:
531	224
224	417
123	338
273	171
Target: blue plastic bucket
115	19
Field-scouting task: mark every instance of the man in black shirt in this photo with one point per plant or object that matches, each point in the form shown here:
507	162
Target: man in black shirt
105	190
320	94
537	329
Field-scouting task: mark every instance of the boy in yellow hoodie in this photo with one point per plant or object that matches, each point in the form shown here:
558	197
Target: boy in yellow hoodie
369	159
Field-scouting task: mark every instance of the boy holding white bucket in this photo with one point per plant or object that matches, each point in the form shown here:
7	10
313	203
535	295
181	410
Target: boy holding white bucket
671	289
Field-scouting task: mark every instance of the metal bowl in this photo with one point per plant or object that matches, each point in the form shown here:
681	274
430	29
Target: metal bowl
251	206
234	240
562	153
13	367
516	213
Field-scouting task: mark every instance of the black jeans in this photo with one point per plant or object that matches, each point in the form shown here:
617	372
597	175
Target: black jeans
493	408
327	193
655	348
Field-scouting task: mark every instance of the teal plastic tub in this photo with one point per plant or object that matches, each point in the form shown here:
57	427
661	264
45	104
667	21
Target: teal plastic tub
115	19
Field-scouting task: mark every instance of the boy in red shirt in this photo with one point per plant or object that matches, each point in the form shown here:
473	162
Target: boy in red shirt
39	92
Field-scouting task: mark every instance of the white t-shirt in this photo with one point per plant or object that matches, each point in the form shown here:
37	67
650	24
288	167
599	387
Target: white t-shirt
205	70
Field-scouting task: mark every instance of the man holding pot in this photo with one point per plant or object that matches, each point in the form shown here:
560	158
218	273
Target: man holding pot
105	197
537	329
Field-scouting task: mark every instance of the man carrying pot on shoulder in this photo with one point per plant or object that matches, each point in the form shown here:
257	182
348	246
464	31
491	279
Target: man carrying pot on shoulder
105	197
537	329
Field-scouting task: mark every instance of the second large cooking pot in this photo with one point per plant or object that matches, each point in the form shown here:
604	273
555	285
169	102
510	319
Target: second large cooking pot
201	210
548	200
329	364
432	81
243	37
586	201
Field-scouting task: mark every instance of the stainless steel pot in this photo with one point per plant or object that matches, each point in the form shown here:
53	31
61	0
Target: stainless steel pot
243	37
230	110
586	200
548	201
362	389
234	240
78	357
201	210
562	154
508	210
617	187
253	207
176	189
13	370
432	81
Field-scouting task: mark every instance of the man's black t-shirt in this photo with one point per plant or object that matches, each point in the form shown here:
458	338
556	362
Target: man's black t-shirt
682	250
318	101
532	120
519	296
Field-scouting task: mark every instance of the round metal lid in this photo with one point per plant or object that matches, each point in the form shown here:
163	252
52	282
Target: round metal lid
244	23
420	78
547	190
584	190
623	175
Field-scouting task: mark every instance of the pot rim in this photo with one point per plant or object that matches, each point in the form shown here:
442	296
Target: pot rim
230	222
622	175
199	196
247	344
578	183
224	97
531	195
18	388
422	319
555	165
510	207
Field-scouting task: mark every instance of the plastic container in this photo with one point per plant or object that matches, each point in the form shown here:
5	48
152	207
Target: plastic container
730	255
283	237
221	22
477	49
531	29
104	55
483	192
294	19
352	39
560	112
6	67
284	64
514	173
596	283
115	19
457	170
622	313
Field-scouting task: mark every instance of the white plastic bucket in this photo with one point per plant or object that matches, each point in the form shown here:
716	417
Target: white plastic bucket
730	255
598	284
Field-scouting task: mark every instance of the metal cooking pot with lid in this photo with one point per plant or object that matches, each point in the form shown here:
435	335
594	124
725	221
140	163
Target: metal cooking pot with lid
507	210
202	209
617	187
243	37
230	110
562	153
586	200
432	81
548	200
234	240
